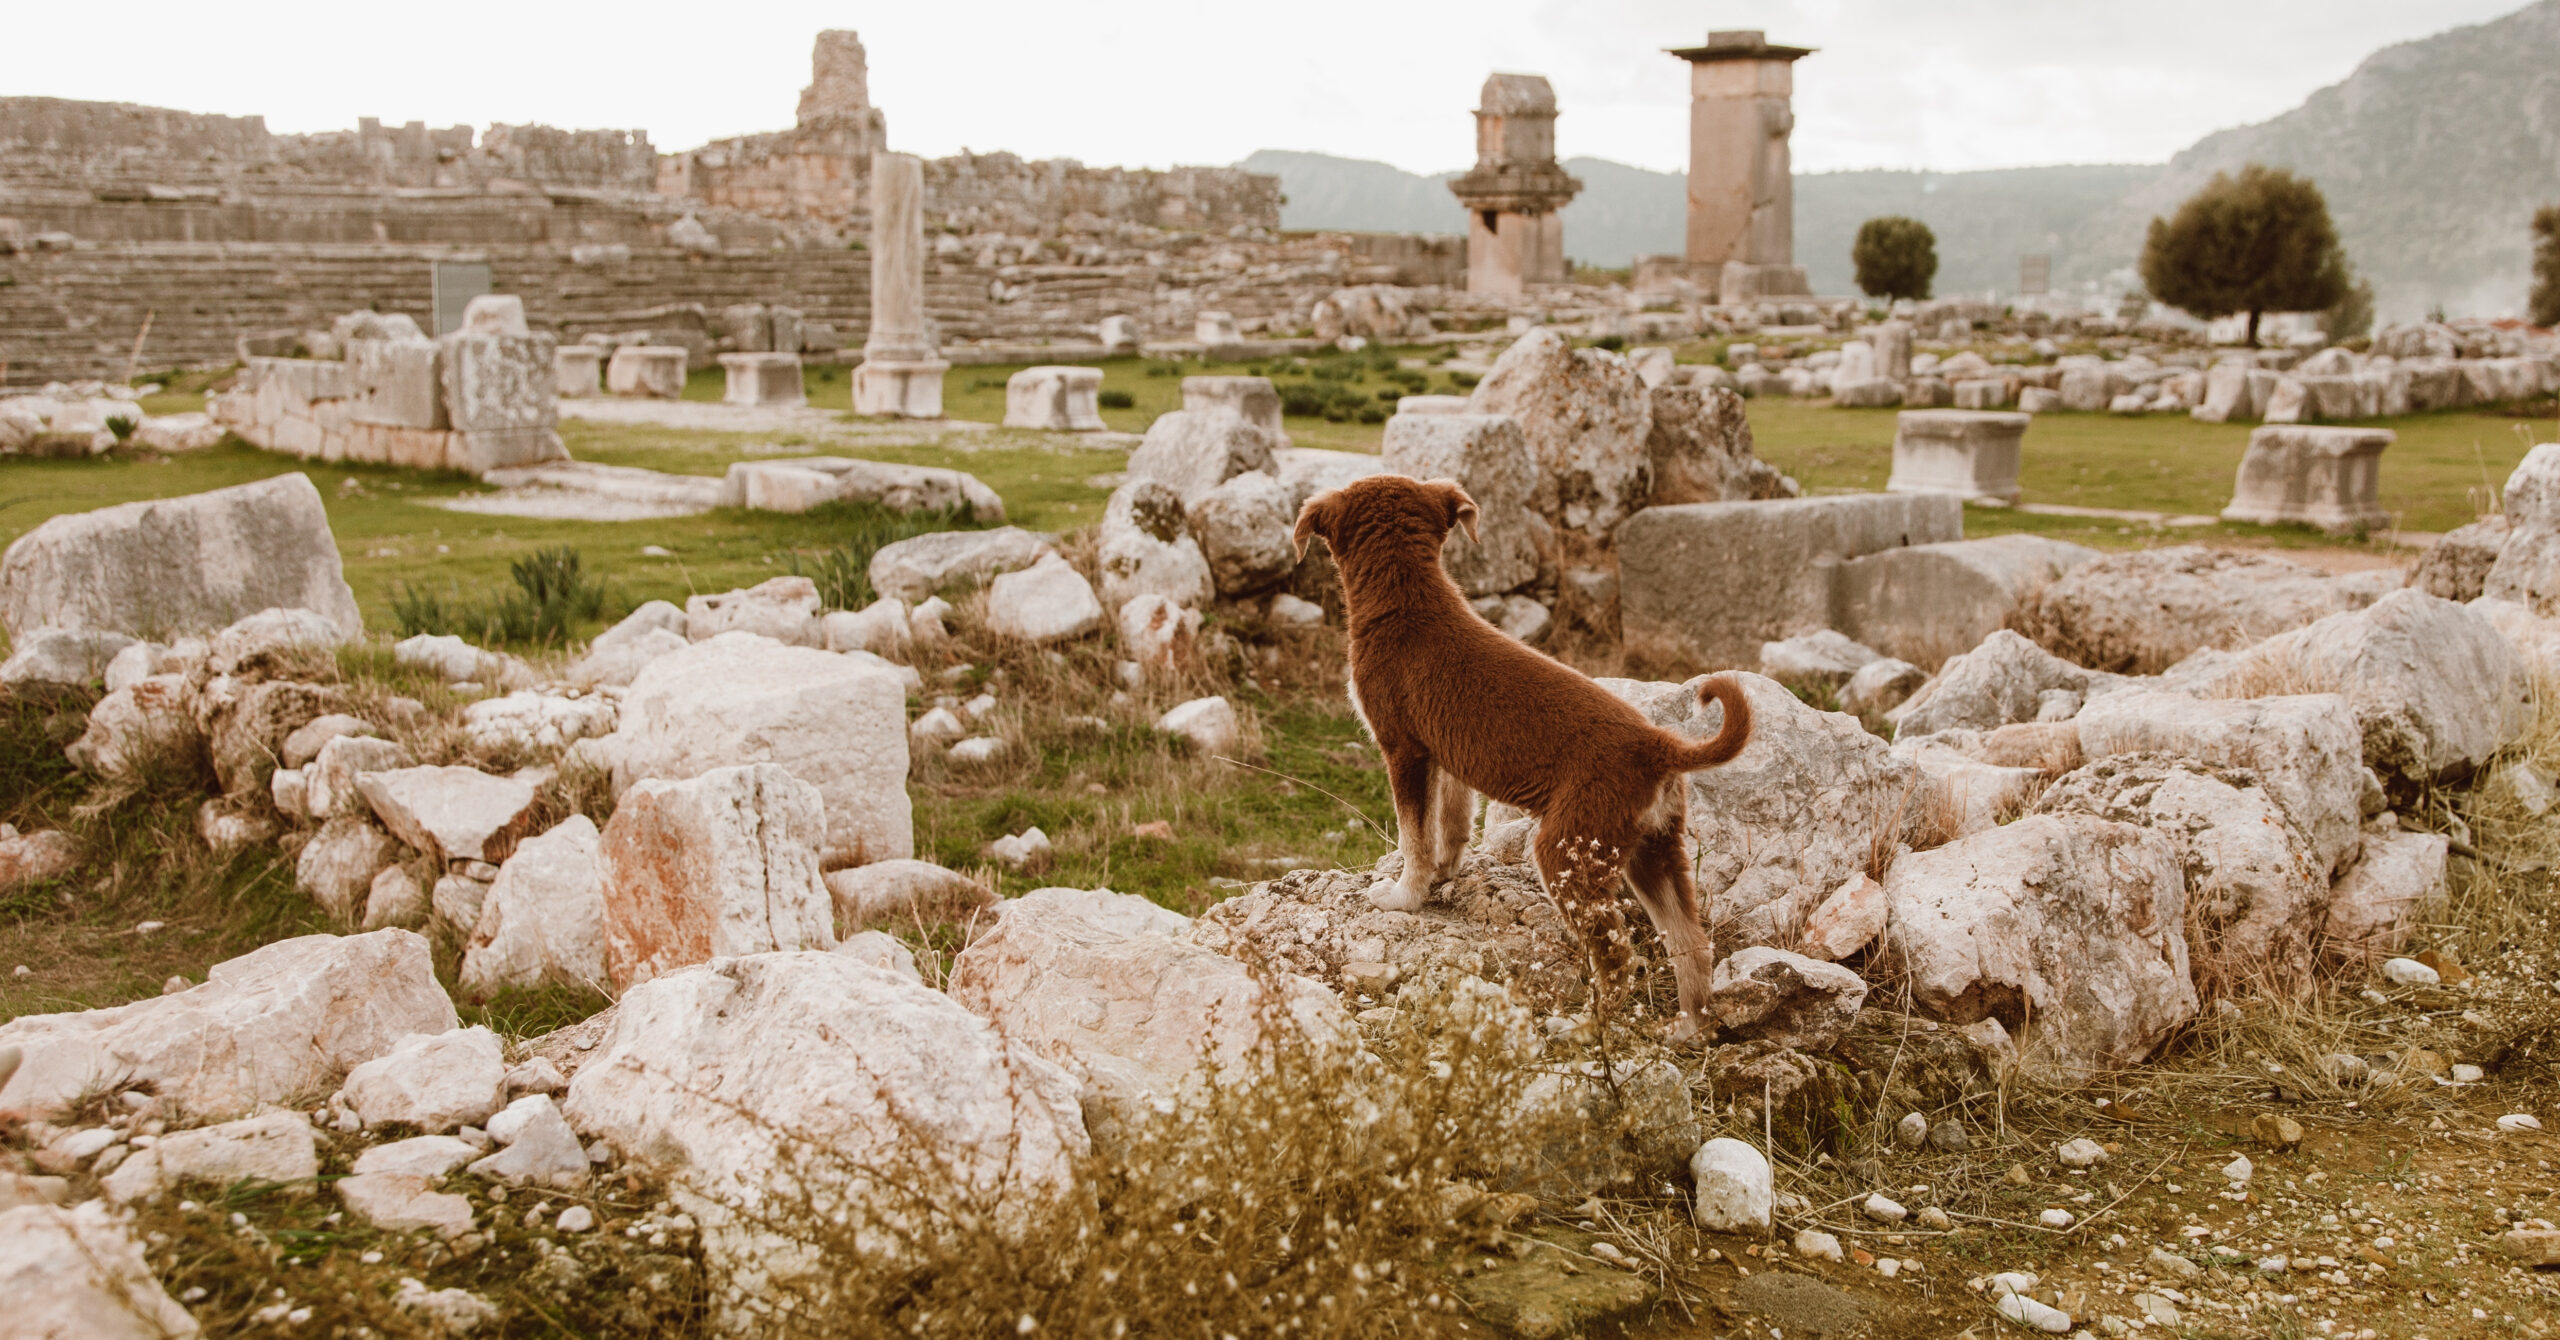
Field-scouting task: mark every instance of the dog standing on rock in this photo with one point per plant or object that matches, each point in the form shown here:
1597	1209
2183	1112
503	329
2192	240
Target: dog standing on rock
1457	707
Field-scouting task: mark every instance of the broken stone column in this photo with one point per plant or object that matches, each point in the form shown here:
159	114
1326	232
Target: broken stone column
1058	398
901	372
1892	342
1486	455
1970	453
1741	233
763	379
579	369
1515	237
2325	477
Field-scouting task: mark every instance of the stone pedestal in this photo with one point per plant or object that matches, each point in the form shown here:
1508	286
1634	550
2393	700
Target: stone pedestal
1969	453
1515	237
901	372
1253	399
1057	398
2325	477
900	390
646	370
763	379
579	369
1741	175
1214	329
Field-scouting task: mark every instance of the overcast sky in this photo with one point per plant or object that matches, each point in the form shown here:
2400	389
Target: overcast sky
1947	84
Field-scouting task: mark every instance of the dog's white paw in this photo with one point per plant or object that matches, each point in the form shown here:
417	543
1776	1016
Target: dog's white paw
1391	896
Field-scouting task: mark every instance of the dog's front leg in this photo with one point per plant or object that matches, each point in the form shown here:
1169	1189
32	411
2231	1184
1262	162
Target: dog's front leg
1409	778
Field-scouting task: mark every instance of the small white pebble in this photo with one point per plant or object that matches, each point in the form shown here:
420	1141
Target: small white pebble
371	1258
2519	1121
2468	1074
147	927
2239	1169
22	970
2409	972
2055	1218
576	1219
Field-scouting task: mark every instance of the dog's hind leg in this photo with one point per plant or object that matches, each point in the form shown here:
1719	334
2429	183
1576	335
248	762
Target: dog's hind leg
1659	873
1453	819
1409	779
1583	875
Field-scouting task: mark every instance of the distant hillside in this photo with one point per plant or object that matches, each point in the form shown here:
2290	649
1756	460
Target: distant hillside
2433	153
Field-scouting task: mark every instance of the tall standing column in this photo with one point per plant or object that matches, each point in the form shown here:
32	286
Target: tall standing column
1741	227
901	372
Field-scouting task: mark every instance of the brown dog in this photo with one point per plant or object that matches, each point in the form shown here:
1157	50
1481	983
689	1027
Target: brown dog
1458	707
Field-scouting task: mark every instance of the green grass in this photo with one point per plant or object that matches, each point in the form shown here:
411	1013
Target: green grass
2155	462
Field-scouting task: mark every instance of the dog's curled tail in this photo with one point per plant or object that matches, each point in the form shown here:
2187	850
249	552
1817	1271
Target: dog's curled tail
1727	742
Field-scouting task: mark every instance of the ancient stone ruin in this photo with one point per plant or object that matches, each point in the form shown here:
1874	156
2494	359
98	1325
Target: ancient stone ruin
1514	235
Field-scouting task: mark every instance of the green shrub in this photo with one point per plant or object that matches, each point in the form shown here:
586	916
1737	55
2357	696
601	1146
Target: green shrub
553	593
1463	380
843	572
1895	257
1115	400
1610	342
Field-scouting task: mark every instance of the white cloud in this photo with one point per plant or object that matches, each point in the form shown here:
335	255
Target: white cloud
1949	84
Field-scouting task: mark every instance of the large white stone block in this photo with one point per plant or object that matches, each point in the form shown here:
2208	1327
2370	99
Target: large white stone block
1969	453
1486	455
721	864
1054	397
2325	477
763	379
646	370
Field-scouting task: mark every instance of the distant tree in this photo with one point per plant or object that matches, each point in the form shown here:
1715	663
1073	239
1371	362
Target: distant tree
2256	243
2352	316
2546	266
1896	258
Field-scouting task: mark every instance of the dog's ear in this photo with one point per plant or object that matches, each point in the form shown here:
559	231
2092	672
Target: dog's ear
1314	519
1462	509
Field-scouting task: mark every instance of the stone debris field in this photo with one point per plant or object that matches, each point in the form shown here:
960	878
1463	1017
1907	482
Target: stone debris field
2148	939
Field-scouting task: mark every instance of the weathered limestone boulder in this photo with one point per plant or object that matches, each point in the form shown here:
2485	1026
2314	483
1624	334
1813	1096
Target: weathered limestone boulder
2436	688
539	1147
1243	527
429	1156
280	1022
724	863
1485	455
1193	451
880	628
450	814
538	722
1707	583
1147	548
1054	398
32	858
1585	415
1157	634
577	371
179	565
329	781
1820	657
1786	998
1845	922
1734	1192
2326	477
1209	725
451	659
397	897
1309	471
1047	602
405	1202
338	865
542	922
2527	570
271	642
1810	801
2141	612
59	658
1960	793
1578	1130
171	434
81	1272
906	894
2226	390
138	732
2373	899
799	483
1490	919
2457	566
2536	641
275	1147
1969	453
2067	929
784	609
1135	1014
2305	750
915	568
2003	680
618	653
1880	686
434	1082
832	721
1698	445
2254	899
749	1080
1253	399
1923	602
